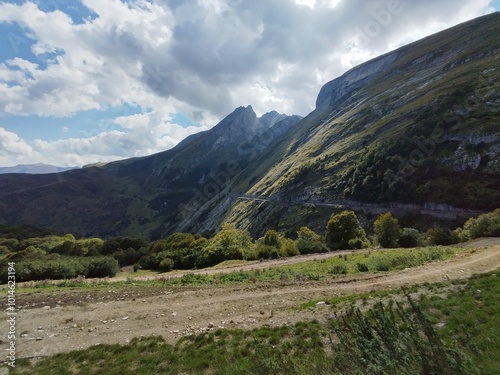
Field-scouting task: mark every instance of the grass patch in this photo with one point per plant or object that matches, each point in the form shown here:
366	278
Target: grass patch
337	266
233	263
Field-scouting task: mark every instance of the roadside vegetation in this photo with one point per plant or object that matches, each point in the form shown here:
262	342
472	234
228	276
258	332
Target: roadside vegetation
63	257
443	328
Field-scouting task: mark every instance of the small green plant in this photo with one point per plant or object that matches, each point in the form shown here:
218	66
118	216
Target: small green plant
339	269
362	267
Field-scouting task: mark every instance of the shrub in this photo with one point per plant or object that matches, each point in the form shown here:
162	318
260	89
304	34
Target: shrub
339	269
101	267
362	267
166	265
272	238
63	268
382	263
358	243
4	250
486	225
148	262
309	242
266	251
440	236
288	248
11	243
410	237
30	252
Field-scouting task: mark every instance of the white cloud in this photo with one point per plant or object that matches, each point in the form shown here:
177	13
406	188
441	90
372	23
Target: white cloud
14	150
142	134
202	58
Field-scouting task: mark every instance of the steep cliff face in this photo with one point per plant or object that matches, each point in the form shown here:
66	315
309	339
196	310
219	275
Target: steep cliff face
334	92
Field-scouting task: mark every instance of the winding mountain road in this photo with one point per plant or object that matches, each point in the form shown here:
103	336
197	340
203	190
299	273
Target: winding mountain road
443	211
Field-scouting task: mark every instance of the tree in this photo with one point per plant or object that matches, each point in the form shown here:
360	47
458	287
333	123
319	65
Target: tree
485	225
342	228
229	243
387	230
440	236
309	242
272	238
268	246
184	249
410	237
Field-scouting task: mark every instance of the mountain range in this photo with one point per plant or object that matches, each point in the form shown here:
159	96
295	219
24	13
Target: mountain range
413	131
38	168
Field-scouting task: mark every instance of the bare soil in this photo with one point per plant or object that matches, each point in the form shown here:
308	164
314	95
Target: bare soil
55	322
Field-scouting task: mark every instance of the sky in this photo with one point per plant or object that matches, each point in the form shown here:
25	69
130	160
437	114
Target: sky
86	81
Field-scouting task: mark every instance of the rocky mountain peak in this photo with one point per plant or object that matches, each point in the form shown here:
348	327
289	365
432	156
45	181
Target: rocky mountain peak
269	119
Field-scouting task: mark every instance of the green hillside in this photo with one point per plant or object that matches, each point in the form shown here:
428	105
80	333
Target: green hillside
424	127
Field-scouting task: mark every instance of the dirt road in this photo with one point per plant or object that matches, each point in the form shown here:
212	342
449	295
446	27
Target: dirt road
55	322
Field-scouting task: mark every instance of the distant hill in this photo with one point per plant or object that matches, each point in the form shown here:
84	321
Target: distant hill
413	131
38	168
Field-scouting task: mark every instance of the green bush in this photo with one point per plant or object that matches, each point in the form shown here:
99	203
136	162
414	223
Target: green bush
382	263
358	243
339	269
100	267
486	225
148	262
30	252
309	242
410	237
11	243
229	243
4	250
266	251
166	265
440	236
288	248
62	268
362	267
272	238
